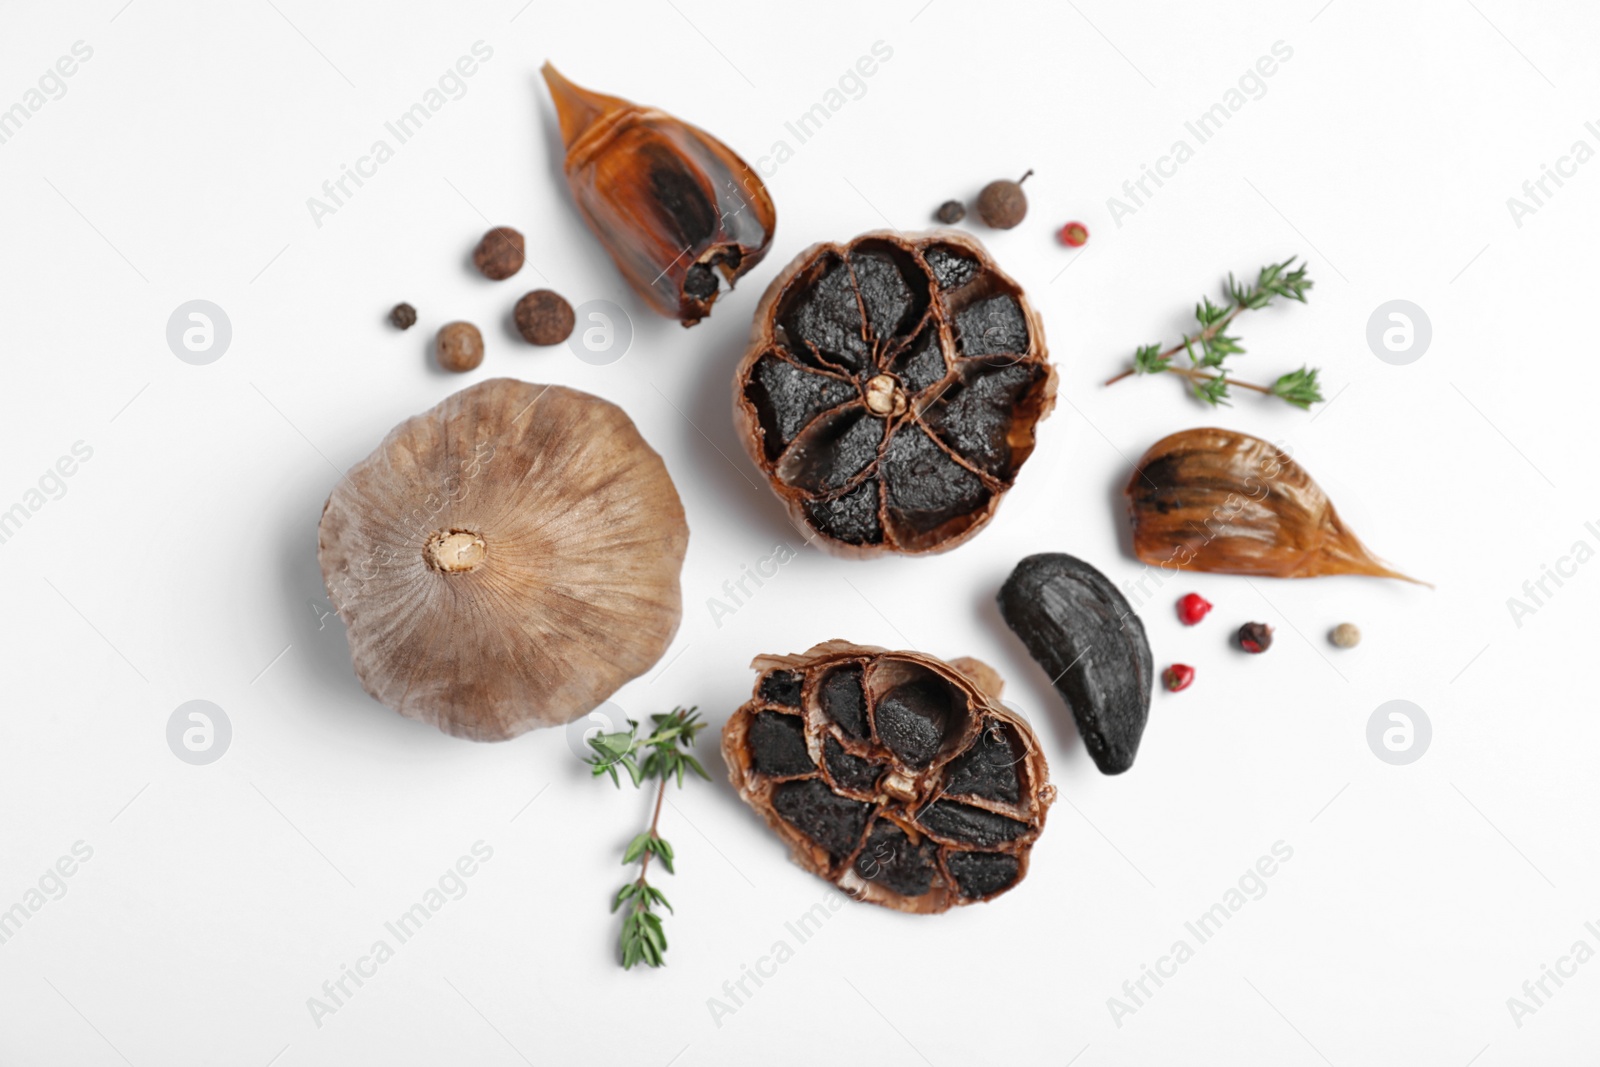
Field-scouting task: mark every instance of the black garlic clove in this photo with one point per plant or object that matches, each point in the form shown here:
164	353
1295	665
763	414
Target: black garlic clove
1089	641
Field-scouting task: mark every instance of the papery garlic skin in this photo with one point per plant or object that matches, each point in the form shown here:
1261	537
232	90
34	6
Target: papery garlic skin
1218	500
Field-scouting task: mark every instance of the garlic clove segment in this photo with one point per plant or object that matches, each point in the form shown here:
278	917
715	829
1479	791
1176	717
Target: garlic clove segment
679	211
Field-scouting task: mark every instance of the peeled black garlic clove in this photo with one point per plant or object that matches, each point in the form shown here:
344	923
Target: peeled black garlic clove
1223	501
506	560
896	776
1078	627
676	208
892	389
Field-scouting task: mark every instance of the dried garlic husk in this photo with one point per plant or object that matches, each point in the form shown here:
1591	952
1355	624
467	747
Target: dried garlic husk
1223	501
673	205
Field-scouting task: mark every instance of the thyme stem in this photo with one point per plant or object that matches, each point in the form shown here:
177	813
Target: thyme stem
1209	347
1197	376
655	820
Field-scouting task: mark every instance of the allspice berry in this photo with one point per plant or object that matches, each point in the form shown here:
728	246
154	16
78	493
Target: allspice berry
951	212
458	347
403	316
544	317
499	255
1003	204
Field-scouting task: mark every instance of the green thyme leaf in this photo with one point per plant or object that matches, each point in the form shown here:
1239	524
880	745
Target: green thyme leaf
1208	313
1225	346
1147	359
1299	388
1213	391
625	894
636	848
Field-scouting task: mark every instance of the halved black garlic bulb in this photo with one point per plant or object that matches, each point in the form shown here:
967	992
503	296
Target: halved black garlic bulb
891	390
896	776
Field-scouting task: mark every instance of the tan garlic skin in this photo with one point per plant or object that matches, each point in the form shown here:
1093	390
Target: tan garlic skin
1223	501
505	560
879	394
675	207
903	789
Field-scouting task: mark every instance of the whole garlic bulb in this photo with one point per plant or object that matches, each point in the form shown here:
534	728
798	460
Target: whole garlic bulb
506	560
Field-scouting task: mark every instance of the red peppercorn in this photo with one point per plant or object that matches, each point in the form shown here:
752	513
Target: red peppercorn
1074	235
1178	676
1255	637
1192	607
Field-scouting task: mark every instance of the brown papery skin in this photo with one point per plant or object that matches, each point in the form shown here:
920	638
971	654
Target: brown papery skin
566	538
1222	501
663	196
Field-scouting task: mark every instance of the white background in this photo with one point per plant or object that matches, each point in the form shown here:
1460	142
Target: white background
180	564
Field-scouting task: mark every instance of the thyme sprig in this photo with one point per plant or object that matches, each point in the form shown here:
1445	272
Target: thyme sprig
1209	347
661	754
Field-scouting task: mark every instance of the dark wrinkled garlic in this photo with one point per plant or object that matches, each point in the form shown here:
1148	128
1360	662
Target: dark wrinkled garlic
505	560
896	776
892	390
1091	644
1223	501
677	209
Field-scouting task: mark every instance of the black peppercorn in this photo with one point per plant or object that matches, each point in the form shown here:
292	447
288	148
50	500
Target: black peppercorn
1003	204
1255	637
951	212
403	316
